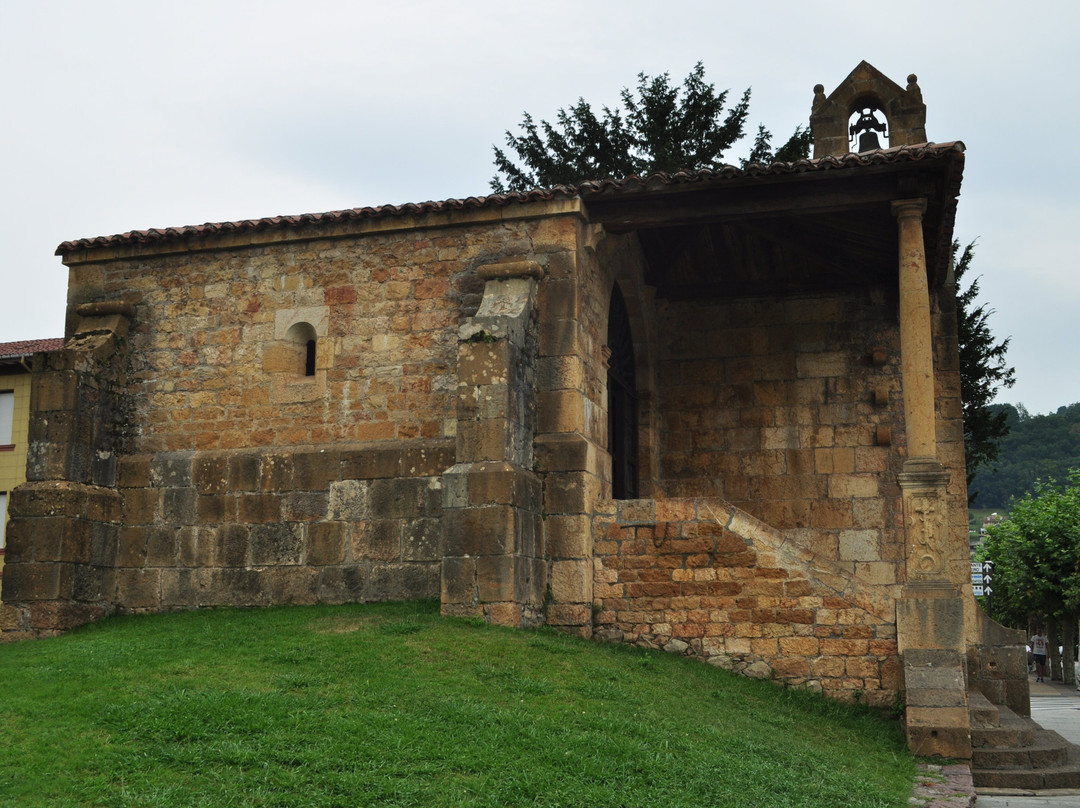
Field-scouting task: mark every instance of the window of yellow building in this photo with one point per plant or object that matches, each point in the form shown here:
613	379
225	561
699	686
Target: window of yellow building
7	416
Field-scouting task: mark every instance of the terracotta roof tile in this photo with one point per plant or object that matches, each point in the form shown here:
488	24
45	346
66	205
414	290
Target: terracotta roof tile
12	350
898	154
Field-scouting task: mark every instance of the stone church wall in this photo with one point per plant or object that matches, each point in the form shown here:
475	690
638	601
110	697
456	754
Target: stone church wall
247	472
778	406
214	365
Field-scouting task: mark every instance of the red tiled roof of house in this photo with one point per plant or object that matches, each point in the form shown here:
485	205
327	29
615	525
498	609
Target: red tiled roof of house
12	350
899	154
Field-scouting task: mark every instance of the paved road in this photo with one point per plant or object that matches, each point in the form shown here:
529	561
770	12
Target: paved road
1056	707
1060	712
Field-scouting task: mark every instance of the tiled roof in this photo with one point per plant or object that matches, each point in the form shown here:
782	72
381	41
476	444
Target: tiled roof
282	222
12	350
899	154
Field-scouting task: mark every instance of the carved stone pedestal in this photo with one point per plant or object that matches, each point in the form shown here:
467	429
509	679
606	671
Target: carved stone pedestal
930	622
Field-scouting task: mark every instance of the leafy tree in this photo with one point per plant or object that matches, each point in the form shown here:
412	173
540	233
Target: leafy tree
659	127
1036	555
982	371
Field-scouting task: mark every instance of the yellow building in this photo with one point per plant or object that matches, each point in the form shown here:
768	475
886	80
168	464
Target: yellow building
15	418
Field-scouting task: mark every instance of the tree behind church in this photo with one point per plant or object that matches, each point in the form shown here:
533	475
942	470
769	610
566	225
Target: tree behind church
659	127
983	370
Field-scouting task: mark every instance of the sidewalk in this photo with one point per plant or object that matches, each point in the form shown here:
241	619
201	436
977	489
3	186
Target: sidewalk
1053	706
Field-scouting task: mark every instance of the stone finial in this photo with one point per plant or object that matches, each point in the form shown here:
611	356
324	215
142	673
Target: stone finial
913	91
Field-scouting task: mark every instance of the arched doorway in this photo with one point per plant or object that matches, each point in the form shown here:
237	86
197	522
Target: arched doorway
622	401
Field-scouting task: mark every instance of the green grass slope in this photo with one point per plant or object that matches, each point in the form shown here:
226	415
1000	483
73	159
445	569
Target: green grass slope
392	705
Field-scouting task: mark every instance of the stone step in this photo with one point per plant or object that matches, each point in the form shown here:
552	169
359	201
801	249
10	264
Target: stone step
1048	753
983	712
1005	737
1008	731
1014	752
1065	776
1047	750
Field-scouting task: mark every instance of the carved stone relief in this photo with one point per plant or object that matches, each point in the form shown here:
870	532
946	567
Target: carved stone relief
926	523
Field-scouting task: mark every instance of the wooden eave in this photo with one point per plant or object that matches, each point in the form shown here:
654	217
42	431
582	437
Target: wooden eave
782	233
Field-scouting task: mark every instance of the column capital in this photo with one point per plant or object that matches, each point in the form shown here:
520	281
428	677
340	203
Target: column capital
904	208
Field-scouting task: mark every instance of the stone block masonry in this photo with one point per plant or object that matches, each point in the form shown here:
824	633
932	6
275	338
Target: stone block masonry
701	578
254	528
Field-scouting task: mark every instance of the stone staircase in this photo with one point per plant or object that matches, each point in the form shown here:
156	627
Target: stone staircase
1011	751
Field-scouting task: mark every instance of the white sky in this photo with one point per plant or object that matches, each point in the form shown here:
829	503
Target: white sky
121	116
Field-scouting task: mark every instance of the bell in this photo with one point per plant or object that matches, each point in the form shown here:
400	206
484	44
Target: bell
867	128
868	141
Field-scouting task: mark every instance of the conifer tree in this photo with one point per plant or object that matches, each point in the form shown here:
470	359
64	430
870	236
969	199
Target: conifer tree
983	370
658	127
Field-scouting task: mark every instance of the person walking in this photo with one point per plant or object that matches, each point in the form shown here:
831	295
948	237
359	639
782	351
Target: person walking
1039	646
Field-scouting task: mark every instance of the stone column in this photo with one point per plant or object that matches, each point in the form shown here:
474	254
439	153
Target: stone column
916	345
930	615
493	563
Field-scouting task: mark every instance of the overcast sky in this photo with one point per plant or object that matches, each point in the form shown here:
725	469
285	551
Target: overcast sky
122	116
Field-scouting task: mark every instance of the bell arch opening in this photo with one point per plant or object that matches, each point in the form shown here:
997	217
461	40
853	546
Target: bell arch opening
868	125
622	401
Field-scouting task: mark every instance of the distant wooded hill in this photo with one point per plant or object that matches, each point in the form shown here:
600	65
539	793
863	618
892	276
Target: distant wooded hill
1037	447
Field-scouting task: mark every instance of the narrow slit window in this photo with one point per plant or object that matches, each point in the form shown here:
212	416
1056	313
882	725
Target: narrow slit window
302	342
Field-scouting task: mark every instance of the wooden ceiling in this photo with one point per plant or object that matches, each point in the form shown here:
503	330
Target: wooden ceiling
789	233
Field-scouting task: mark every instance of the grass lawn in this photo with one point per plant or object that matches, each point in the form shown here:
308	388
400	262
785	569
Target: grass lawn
393	705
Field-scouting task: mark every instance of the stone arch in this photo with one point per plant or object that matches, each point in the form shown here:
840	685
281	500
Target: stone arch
622	262
868	125
866	86
301	343
298	357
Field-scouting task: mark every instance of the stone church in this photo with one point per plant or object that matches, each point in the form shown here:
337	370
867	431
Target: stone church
716	412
